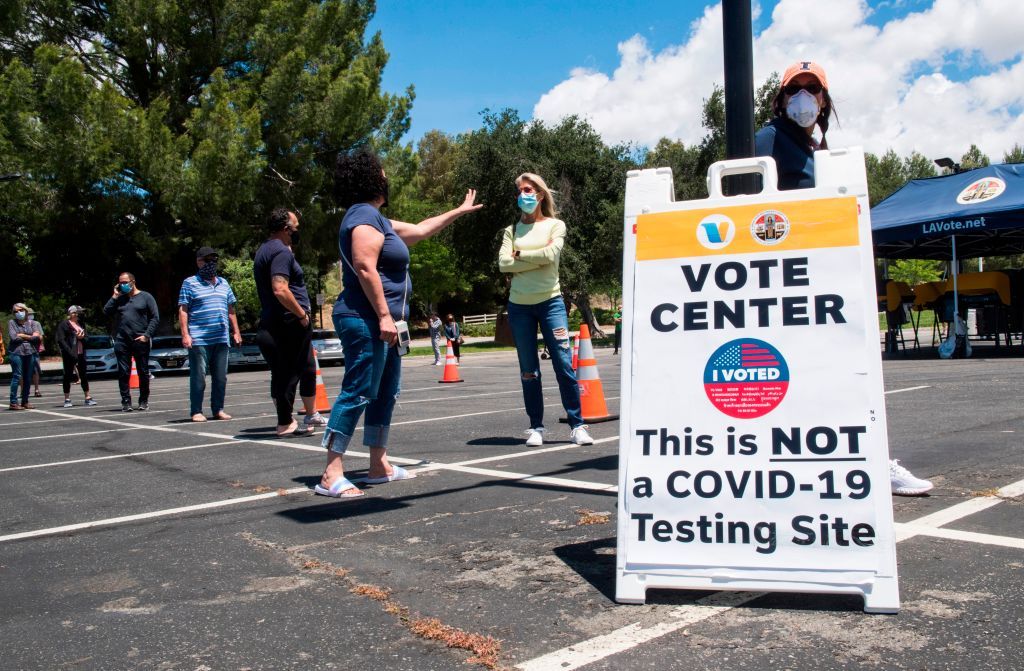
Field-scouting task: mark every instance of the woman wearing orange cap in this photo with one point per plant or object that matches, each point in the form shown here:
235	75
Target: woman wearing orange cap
801	104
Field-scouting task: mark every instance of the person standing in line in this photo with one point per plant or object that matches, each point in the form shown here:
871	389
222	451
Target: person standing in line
307	393
136	320
368	315
530	251
435	336
801	104
206	316
285	335
37	369
618	330
71	342
24	335
454	334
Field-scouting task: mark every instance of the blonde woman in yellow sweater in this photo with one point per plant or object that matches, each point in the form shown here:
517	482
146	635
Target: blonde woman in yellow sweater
530	251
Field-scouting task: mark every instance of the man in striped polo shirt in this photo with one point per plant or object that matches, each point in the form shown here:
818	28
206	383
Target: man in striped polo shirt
206	311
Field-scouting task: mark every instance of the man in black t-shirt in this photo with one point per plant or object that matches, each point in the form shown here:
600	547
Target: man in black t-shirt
284	334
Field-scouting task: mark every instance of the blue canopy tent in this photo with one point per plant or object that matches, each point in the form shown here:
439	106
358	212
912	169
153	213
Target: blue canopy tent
969	214
979	211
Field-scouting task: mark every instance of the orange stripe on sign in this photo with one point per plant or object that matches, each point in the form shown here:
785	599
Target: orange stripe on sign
748	229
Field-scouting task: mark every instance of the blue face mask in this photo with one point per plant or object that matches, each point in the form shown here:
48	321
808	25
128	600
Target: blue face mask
126	287
19	315
527	202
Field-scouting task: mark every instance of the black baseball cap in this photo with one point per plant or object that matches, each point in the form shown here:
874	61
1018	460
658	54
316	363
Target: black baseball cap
206	251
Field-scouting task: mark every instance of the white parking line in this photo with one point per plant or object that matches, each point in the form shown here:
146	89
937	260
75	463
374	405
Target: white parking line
66	435
115	456
900	391
968	536
626	638
111	521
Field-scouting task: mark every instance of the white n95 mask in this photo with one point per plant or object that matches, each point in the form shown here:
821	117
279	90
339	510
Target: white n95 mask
803	109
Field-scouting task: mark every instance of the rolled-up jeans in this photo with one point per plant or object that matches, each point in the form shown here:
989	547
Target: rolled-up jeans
554	327
203	358
373	377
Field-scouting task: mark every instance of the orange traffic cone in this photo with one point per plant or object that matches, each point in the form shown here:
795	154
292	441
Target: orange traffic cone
576	353
133	381
592	403
451	369
321	404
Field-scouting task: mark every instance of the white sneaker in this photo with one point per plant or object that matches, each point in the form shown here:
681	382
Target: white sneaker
534	437
316	419
580	436
67	404
904	483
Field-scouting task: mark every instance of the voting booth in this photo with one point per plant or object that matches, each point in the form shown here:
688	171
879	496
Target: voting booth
753	448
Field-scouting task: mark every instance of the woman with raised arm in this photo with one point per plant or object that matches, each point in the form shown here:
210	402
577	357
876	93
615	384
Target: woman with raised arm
370	316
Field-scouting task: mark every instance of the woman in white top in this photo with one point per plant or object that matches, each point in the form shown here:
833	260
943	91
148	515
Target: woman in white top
530	252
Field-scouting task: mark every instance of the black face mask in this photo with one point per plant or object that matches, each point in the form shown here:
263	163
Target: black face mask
387	191
294	232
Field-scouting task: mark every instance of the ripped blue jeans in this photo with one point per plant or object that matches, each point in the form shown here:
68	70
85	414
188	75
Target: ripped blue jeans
550	315
373	375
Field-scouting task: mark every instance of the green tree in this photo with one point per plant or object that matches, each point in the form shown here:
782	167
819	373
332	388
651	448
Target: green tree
974	158
915	271
684	161
918	166
436	274
885	175
149	128
1015	155
238	272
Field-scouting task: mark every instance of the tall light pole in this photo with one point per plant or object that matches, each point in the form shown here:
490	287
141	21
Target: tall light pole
737	33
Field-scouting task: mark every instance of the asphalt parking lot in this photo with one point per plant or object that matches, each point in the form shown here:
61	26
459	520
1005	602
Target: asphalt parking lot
143	541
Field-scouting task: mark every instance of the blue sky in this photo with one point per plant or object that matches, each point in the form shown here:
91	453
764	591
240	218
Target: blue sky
893	65
464	56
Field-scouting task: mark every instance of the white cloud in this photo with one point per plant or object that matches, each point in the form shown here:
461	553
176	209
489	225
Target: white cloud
935	80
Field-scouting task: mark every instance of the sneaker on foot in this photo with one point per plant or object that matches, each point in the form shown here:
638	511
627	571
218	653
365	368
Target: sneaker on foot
90	401
905	483
143	406
534	437
316	419
67	403
126	407
580	436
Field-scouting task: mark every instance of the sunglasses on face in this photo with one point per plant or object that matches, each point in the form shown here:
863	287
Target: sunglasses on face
814	88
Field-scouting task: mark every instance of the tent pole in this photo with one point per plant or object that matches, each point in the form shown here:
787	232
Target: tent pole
956	296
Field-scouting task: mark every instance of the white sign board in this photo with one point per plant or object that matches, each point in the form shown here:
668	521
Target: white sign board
753	447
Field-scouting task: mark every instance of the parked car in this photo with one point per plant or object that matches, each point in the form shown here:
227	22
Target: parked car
167	354
99	354
247	354
328	348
